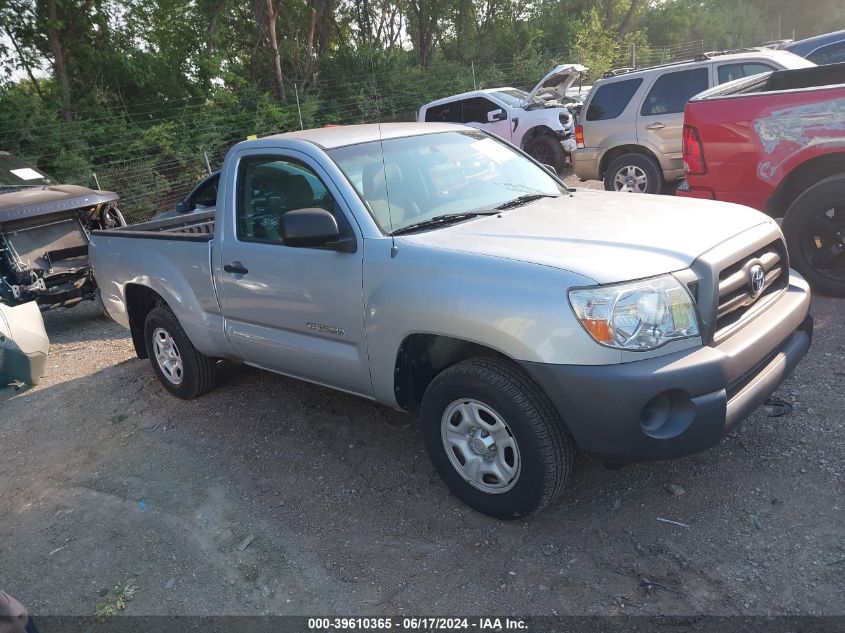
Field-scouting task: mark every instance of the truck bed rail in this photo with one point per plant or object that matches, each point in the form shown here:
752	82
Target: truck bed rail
194	227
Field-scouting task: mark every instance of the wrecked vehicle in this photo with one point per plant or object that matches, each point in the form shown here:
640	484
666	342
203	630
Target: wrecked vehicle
538	122
44	235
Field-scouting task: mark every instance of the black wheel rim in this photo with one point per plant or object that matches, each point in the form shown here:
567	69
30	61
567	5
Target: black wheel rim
823	243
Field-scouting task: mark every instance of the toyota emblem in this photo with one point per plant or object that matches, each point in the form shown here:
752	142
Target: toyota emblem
756	278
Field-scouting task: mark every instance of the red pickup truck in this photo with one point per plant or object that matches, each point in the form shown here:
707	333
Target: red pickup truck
776	142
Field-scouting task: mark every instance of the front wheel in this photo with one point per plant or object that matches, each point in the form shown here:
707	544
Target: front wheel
814	228
185	372
634	173
495	438
548	150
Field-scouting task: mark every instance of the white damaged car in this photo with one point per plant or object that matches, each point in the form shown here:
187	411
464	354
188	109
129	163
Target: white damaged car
539	125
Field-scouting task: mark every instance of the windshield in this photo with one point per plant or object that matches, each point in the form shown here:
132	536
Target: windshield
16	173
515	97
433	175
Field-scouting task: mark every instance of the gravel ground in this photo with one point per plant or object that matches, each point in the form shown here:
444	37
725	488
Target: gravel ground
271	495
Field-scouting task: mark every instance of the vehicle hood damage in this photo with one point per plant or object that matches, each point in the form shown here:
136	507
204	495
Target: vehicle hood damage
44	234
606	236
557	81
39	201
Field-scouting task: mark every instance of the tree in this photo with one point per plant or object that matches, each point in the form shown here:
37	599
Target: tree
423	25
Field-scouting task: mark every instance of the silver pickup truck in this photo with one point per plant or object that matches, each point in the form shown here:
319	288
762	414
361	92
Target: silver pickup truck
433	267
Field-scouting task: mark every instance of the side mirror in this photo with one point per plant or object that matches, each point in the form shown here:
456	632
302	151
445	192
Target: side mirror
496	115
181	207
549	169
309	227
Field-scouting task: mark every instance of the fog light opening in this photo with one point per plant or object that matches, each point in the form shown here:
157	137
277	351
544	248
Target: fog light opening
668	414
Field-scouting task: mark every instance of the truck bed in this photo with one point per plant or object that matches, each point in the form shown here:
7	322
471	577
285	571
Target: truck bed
753	133
193	227
779	81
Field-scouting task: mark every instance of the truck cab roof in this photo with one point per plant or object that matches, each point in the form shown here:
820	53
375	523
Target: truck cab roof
343	135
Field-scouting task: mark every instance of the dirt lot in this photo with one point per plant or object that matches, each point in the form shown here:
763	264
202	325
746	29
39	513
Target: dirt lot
107	479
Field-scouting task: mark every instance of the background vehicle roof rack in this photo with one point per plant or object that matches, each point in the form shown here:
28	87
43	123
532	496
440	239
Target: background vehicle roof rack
701	57
619	71
727	51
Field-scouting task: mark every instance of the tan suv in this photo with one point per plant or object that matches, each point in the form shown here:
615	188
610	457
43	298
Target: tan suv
629	130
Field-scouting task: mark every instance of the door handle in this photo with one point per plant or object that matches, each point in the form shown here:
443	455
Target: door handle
655	126
236	268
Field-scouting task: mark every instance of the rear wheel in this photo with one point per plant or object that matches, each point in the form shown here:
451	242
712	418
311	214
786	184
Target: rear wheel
814	228
634	173
184	371
548	150
495	438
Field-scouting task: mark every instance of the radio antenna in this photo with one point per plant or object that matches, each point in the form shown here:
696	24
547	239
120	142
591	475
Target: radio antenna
393	248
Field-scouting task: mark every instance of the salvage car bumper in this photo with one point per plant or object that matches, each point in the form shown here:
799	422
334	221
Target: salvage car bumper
684	402
23	344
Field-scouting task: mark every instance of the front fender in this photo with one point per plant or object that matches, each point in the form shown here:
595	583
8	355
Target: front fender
517	309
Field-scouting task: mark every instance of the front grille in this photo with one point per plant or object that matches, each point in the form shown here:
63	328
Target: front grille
736	297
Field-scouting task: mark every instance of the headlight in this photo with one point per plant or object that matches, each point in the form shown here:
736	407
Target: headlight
638	315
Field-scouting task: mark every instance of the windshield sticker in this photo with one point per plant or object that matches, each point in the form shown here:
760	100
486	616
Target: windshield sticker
493	150
26	173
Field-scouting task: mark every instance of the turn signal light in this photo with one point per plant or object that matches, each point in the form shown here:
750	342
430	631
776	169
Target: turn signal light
599	329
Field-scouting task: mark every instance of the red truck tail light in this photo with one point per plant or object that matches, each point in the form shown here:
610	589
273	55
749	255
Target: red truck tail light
693	152
579	136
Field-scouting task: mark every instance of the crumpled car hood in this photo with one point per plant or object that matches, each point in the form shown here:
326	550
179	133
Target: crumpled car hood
36	201
606	236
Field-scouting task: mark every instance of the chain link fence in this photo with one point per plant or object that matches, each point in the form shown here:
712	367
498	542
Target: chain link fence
147	187
150	181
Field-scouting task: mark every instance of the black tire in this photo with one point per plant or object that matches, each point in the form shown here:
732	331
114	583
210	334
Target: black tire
646	164
197	370
814	228
545	449
548	150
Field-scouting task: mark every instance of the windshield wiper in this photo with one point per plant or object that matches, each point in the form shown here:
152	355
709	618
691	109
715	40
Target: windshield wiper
525	199
441	220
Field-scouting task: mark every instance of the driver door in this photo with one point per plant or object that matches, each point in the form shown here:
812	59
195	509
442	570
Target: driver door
477	112
297	311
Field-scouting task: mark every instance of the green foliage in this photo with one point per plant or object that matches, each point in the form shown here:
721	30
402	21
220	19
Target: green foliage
140	91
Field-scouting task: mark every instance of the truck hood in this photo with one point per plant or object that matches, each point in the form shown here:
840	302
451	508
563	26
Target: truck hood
606	236
45	200
557	81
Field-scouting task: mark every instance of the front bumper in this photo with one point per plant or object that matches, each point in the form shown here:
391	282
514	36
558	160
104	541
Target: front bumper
685	402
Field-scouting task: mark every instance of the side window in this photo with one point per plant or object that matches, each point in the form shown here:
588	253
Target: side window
476	109
729	72
269	187
444	113
670	93
830	54
610	100
206	194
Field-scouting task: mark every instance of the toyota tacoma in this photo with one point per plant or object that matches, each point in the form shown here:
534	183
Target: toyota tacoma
435	268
